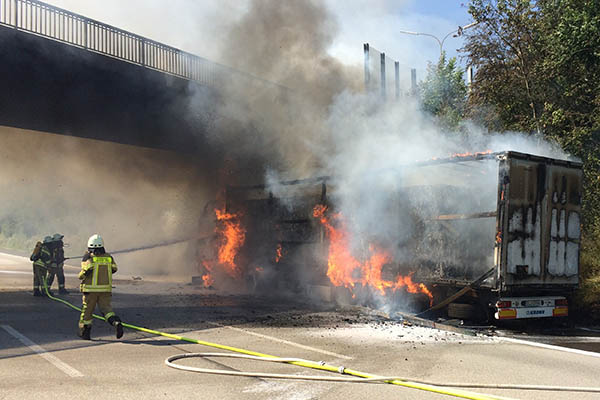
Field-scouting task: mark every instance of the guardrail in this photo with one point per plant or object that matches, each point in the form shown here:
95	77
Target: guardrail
56	23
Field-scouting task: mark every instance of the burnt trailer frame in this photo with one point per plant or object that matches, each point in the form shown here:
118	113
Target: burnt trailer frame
530	189
537	224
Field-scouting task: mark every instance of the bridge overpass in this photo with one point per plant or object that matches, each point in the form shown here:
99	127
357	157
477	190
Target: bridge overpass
68	74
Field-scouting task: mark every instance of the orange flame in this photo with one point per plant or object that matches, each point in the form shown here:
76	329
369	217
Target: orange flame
467	154
232	238
279	253
411	287
207	278
343	269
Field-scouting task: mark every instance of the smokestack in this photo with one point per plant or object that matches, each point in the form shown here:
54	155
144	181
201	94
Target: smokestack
397	75
383	82
469	77
367	69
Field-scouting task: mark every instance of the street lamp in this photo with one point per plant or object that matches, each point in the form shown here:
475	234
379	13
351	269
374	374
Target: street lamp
457	32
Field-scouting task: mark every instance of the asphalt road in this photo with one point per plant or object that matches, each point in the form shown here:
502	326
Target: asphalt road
42	358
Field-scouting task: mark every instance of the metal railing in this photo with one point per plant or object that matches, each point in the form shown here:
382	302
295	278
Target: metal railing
56	23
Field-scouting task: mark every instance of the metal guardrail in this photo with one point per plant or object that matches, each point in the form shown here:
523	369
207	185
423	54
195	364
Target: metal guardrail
56	23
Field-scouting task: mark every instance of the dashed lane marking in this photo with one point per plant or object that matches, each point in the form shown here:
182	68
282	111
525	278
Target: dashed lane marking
67	369
274	339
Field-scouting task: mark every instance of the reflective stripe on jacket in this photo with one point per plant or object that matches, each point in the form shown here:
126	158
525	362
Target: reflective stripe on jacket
44	258
96	273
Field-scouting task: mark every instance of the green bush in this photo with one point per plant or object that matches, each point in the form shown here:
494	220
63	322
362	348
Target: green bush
587	298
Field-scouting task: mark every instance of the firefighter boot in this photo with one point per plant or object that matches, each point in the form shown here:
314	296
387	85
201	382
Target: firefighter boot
116	322
85	332
62	290
37	293
119	327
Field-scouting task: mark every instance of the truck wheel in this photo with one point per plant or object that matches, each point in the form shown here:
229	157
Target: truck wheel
462	311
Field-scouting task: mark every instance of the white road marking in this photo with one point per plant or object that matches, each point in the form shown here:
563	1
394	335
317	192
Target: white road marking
16	272
67	369
20	258
274	339
28	273
588	329
28	261
551	347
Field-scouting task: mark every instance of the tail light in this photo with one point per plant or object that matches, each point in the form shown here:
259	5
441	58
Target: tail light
503	304
561	302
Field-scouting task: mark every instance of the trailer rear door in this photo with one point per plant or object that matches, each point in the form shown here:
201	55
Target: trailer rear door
541	222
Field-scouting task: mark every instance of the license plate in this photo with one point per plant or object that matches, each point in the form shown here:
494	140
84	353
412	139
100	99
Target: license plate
533	303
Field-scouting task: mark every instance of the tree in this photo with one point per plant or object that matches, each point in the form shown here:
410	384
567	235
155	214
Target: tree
537	68
503	49
571	70
443	92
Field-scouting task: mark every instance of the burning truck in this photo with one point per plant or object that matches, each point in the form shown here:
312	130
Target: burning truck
484	235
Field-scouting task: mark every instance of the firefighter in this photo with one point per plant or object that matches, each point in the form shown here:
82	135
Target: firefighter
42	258
97	267
58	262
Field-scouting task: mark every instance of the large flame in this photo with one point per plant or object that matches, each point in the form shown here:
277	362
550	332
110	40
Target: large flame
231	236
343	269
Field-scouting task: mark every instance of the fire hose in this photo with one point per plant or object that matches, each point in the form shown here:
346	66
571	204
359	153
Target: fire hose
151	246
357	376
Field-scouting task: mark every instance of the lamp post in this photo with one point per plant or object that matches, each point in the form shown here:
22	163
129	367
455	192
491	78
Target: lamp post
457	32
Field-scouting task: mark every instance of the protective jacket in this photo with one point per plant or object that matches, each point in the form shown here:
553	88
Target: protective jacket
96	272
43	258
58	253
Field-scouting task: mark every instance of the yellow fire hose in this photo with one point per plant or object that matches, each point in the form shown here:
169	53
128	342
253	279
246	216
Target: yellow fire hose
441	388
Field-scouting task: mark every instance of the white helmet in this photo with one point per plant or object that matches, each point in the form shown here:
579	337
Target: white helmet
95	241
48	239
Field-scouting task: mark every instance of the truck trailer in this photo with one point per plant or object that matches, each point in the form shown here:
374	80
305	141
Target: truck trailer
493	235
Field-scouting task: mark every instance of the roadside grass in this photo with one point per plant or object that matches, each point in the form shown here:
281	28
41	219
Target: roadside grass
587	298
17	242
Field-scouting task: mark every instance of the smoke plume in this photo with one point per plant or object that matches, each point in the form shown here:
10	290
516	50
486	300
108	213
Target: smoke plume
306	116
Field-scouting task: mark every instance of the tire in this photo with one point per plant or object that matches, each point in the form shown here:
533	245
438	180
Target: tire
462	311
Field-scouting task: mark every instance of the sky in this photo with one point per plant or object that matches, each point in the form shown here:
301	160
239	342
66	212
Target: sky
195	25
380	26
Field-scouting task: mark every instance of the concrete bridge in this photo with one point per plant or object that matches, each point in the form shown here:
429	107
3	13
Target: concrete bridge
64	73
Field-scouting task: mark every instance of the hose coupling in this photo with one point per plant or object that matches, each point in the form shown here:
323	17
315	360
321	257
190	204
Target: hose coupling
341	369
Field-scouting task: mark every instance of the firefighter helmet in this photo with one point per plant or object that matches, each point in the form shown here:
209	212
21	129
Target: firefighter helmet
57	237
95	242
48	239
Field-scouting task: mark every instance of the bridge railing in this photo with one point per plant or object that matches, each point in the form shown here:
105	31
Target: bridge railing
42	19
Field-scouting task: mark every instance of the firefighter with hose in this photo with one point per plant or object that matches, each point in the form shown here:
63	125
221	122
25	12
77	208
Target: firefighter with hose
97	268
57	266
42	259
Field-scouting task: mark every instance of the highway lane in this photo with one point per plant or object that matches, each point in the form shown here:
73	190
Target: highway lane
134	366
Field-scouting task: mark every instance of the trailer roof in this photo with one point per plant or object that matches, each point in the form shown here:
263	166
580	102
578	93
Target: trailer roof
458	158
